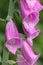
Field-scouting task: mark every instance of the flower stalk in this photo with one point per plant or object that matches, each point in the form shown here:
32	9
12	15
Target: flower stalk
10	10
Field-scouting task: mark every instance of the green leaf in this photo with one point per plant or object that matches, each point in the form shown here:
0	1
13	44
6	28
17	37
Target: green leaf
10	62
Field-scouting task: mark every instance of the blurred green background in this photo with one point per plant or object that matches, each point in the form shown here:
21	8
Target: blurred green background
38	41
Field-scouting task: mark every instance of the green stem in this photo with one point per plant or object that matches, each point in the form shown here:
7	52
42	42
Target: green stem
10	15
10	10
5	56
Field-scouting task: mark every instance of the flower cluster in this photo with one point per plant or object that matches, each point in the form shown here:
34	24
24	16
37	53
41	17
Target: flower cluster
29	10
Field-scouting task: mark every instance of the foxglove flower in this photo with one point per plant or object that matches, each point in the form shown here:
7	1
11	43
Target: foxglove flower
30	16
27	56
22	61
35	5
29	24
32	19
28	6
13	40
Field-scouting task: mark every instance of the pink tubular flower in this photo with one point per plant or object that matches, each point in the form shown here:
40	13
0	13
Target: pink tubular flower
32	19
30	14
28	6
13	40
27	57
35	5
30	31
29	24
21	61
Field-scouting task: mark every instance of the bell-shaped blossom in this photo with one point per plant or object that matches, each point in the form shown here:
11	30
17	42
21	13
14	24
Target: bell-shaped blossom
35	5
29	24
22	61
28	53
13	40
32	19
27	56
28	6
30	31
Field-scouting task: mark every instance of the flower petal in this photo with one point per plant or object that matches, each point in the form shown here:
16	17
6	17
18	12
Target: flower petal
28	54
31	3
13	40
24	9
13	44
11	30
28	6
29	41
38	7
32	19
30	30
21	60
